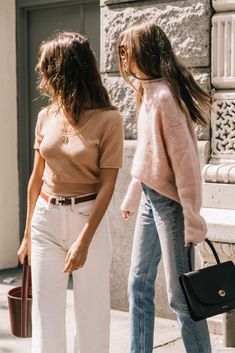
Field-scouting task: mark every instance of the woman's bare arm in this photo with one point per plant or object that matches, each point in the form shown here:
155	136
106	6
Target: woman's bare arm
34	187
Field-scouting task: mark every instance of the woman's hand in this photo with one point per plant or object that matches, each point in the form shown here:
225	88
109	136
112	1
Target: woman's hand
76	256
126	214
25	249
187	243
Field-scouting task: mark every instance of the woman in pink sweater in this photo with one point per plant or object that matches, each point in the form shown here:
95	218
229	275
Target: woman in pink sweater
166	183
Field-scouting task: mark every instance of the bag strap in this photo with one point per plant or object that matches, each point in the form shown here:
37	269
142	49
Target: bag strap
212	248
26	283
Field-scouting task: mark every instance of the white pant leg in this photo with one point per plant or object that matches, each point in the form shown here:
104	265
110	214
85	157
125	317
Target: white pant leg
49	283
92	295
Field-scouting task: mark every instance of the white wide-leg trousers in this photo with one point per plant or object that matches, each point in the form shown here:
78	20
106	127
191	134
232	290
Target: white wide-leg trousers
53	230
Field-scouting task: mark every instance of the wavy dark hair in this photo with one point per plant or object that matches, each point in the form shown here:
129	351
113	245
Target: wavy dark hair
69	76
147	46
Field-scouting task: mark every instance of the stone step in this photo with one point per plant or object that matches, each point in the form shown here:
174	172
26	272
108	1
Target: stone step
215	324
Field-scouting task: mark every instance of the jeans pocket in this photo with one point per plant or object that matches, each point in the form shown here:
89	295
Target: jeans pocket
39	209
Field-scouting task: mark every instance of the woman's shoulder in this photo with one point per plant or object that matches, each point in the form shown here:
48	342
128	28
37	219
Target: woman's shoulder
165	96
109	117
43	114
171	113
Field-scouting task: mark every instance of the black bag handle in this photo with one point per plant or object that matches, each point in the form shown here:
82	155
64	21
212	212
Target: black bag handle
212	248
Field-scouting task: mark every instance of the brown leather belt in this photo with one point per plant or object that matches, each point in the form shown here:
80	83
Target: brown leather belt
67	200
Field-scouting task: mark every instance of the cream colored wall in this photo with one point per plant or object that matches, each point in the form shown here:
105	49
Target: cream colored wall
9	196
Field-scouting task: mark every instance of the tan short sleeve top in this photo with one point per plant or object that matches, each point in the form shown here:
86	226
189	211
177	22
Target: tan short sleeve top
73	169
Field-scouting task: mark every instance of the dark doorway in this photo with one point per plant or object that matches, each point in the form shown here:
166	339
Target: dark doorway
36	21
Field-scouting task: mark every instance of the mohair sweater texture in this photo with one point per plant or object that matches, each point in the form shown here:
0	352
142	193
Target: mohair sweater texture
166	157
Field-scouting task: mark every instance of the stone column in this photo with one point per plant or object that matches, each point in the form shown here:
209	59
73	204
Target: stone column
187	23
219	173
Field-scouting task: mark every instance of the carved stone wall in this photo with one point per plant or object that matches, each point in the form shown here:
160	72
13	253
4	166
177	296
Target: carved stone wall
222	160
226	252
223	127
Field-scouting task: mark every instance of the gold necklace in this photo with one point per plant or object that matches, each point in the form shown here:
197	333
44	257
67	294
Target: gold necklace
77	130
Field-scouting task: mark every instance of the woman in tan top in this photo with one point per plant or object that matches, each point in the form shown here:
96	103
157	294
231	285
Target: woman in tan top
78	151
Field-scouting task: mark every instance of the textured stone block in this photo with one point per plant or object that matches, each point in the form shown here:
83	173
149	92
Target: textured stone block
123	96
186	23
204	152
114	2
221	228
218	195
203	132
203	79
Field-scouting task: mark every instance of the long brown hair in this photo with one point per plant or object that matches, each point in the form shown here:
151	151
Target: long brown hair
69	76
147	46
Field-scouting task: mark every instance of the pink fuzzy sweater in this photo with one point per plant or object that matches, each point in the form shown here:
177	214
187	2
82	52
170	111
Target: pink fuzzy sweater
166	157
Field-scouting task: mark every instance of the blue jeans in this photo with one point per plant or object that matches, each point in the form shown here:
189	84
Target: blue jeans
159	232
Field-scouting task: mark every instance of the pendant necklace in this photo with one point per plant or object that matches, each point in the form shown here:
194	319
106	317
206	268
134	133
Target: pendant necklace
77	130
67	133
66	140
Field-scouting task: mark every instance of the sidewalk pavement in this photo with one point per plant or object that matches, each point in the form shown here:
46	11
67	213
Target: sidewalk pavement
166	338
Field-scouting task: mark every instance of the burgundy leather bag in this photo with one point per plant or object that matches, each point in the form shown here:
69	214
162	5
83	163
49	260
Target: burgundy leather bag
20	304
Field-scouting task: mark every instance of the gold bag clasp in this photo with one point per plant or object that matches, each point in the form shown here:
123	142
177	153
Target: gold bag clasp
221	293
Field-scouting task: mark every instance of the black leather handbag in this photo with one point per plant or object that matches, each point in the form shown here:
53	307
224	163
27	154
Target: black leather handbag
211	290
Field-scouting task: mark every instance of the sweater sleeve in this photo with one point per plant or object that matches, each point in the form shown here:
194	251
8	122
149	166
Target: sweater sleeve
132	198
183	155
